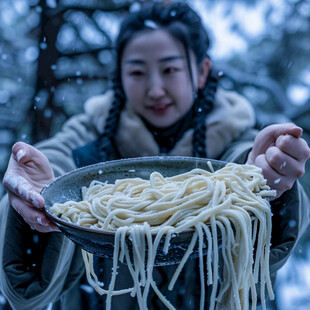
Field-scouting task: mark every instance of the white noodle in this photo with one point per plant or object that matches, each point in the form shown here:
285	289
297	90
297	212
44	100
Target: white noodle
229	201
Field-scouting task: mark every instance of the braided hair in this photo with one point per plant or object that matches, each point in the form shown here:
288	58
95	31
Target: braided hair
180	21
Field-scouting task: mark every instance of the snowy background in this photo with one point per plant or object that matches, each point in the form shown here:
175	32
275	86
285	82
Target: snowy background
263	47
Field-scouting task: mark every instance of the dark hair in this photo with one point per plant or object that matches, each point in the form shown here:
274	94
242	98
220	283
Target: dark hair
179	20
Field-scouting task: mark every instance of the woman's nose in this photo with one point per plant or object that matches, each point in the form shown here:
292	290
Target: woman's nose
156	87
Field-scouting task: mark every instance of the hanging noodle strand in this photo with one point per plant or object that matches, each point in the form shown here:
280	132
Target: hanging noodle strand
226	209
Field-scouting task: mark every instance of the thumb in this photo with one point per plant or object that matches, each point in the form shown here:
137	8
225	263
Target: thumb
268	136
32	164
22	152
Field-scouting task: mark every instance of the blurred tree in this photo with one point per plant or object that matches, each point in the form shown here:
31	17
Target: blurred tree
274	71
54	54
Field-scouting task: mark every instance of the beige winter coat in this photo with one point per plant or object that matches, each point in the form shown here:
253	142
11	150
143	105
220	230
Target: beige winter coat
58	261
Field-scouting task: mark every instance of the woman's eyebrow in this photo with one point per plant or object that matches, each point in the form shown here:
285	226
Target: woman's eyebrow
171	58
136	61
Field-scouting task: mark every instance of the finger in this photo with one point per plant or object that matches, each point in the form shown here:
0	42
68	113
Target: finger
19	186
274	179
22	152
28	155
34	217
284	164
295	147
269	173
285	129
41	228
28	212
268	136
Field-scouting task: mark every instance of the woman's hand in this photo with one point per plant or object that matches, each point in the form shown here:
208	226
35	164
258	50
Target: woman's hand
28	172
282	154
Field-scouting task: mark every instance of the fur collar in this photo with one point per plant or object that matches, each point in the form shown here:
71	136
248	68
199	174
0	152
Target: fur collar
231	116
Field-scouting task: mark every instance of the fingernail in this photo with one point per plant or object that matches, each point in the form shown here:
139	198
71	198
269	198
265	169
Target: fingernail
55	230
20	154
39	220
35	203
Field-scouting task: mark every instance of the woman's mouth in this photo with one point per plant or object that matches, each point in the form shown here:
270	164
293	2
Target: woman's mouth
160	109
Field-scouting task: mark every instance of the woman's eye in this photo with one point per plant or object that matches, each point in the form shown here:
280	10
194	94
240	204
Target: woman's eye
170	70
136	73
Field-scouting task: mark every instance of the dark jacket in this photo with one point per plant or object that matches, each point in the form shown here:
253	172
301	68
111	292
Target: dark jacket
38	269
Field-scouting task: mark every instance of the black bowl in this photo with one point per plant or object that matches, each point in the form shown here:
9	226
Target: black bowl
101	243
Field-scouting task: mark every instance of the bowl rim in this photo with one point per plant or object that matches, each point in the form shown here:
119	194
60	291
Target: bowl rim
58	221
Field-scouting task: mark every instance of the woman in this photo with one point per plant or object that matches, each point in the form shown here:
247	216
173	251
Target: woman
164	101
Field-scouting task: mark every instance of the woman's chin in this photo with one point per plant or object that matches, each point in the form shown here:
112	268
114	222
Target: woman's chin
162	121
162	125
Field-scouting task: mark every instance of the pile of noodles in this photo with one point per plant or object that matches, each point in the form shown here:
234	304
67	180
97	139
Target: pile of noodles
230	200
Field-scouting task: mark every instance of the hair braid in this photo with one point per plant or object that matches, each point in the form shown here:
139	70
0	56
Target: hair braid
112	121
203	104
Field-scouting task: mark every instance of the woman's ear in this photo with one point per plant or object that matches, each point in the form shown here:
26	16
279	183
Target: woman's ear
204	70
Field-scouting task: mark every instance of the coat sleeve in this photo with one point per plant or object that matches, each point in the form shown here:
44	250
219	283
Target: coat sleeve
289	222
36	268
76	132
291	212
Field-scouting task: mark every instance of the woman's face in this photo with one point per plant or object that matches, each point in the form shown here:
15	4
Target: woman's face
156	77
